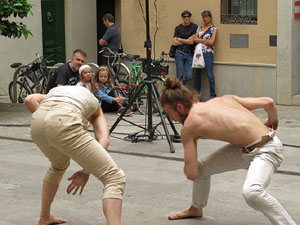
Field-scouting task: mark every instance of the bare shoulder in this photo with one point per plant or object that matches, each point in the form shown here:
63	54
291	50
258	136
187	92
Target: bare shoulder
193	125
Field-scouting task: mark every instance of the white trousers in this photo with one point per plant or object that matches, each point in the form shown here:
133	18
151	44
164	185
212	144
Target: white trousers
262	163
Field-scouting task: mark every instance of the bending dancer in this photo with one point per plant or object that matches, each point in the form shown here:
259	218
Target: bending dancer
252	144
59	128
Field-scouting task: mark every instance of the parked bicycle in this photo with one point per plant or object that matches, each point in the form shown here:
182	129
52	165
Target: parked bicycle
30	78
138	72
128	80
118	69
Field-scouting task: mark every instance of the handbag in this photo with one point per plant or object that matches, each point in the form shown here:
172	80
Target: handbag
198	59
172	51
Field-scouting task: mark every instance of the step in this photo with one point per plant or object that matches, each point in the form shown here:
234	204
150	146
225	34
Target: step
296	100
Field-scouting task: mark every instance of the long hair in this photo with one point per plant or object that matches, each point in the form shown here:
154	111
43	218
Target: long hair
175	92
97	84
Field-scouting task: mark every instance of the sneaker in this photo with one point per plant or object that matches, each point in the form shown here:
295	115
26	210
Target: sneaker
120	111
128	113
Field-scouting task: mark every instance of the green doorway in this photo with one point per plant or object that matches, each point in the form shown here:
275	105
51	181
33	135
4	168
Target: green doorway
53	26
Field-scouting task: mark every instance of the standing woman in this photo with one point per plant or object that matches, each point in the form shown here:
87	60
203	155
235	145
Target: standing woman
206	35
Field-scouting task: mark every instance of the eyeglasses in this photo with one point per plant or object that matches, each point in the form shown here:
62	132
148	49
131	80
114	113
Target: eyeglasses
186	16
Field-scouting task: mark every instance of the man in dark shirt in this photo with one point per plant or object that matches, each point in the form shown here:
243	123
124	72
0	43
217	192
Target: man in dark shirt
67	74
111	38
184	47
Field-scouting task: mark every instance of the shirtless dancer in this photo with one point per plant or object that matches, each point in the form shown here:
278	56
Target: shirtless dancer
252	144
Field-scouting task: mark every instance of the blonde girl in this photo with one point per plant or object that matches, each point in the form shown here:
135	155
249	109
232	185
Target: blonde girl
103	89
85	77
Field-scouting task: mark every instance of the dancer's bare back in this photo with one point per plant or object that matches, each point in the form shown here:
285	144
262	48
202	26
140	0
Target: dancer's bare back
225	119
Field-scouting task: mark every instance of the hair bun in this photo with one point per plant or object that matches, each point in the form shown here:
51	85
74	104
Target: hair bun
172	83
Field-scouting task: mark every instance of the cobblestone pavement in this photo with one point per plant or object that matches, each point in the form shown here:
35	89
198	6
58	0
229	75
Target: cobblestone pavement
156	185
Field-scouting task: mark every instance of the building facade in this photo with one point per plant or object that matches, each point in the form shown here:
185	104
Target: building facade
257	46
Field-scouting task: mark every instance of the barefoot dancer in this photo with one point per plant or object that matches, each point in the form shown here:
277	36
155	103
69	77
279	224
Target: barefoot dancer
252	144
59	128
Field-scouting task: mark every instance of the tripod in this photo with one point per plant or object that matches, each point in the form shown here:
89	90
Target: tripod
152	91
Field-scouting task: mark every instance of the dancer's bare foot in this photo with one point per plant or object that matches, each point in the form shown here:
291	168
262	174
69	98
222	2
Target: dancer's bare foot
190	212
52	220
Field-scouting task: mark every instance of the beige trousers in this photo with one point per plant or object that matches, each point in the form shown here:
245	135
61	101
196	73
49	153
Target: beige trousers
60	131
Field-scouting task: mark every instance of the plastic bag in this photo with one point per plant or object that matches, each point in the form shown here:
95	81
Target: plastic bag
198	59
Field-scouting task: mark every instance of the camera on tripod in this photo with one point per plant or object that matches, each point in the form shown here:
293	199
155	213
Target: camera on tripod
157	68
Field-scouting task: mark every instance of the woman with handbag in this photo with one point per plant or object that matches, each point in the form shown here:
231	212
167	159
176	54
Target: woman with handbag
206	35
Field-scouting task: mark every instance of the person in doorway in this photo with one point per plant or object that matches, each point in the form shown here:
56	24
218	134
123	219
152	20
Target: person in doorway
252	144
59	128
85	77
206	35
184	47
108	97
111	38
67	74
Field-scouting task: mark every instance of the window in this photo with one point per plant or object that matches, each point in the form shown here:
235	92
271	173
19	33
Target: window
239	12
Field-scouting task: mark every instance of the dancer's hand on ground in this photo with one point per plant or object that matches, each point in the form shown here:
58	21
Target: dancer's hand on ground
79	180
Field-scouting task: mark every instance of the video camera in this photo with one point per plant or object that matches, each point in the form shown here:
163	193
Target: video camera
157	68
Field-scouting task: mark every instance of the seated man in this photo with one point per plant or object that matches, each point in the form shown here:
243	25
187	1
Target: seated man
67	74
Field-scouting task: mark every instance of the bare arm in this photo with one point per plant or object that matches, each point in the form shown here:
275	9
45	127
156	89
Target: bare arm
180	41
102	42
190	153
176	42
100	128
208	42
262	102
33	101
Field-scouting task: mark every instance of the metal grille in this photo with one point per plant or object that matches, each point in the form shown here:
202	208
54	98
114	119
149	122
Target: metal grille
238	19
239	12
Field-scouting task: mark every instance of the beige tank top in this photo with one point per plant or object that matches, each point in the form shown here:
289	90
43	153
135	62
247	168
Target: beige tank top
76	95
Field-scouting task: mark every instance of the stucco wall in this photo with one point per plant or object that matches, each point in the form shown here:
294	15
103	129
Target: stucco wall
168	16
81	28
288	53
296	57
20	50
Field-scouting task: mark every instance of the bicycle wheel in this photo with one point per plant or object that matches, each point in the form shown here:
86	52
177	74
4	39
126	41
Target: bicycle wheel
122	72
122	77
128	93
22	91
44	83
20	71
123	92
142	101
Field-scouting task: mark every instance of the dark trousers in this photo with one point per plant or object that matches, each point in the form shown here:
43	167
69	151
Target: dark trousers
114	106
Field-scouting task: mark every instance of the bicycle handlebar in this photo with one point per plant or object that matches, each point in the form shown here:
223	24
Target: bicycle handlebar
116	55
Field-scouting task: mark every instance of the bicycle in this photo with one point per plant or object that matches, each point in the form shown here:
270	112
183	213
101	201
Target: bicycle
118	69
129	81
138	73
30	78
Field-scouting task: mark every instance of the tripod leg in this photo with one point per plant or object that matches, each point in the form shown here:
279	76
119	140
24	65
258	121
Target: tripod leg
154	92
168	118
172	126
136	94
